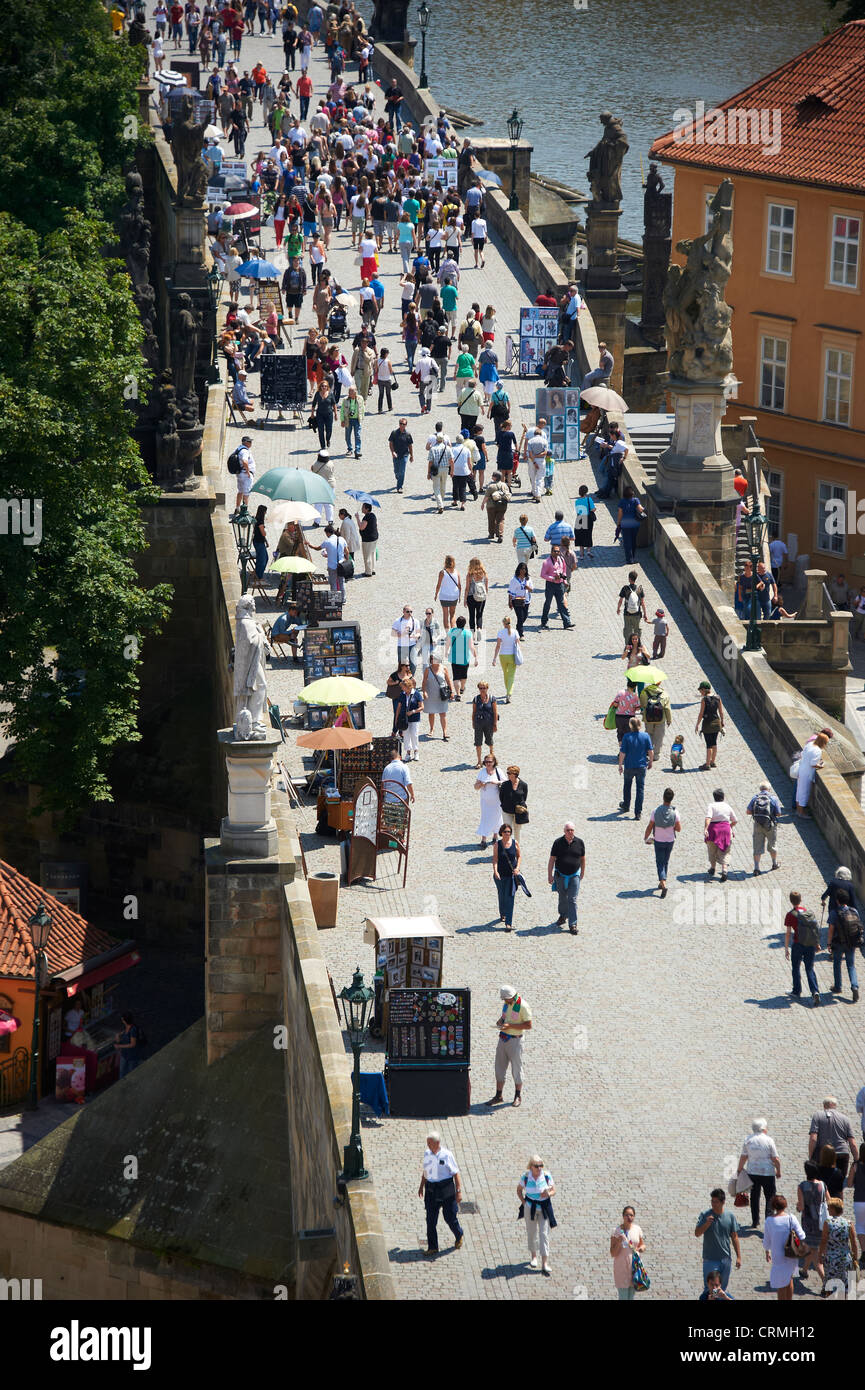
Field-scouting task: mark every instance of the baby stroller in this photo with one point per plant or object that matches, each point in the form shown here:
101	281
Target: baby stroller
337	324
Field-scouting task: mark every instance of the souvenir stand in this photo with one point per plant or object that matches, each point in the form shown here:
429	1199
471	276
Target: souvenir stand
408	953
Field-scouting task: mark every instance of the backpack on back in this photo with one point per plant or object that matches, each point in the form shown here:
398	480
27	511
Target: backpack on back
848	931
632	603
654	710
710	710
807	929
764	811
233	464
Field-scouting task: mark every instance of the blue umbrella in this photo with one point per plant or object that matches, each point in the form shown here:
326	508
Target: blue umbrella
259	270
362	497
488	176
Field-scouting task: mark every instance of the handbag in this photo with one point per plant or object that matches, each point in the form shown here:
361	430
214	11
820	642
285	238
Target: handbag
415	378
639	1277
741	1199
345	568
793	1246
610	718
518	656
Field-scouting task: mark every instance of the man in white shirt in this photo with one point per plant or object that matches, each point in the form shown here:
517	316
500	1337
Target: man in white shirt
407	631
320	121
333	548
298	135
479	239
246	476
396	772
760	1159
432	146
535	453
439	469
441	1190
777	554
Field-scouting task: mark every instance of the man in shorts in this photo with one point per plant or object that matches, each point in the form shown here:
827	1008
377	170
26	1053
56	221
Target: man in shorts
294	286
479	239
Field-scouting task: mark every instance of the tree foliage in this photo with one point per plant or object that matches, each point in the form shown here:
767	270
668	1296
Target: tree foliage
853	9
73	616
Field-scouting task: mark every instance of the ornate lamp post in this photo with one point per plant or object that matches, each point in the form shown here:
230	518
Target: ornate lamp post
242	524
40	925
424	15
515	130
756	525
356	1002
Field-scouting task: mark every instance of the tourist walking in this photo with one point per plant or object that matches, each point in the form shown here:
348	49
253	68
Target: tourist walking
506	867
759	1159
534	451
657	714
462	456
843	939
488	783
520	590
441	1190
508	654
535	1191
719	1231
764	808
439	468
566	869
476	589
367	523
462	650
554	575
495	503
856	1181
513	795
839	1249
664	825
801	940
513	1023
406	721
780	1227
449	588
829	1126
719	832
633	598
585	516
710	722
628	519
351	413
811	1196
424	375
437	690
406	630
322	413
635	654
430	642
635	760
626	1242
525	541
485	719
626	704
401	447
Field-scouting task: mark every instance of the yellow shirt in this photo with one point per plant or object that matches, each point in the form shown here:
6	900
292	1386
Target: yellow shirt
512	1014
117	18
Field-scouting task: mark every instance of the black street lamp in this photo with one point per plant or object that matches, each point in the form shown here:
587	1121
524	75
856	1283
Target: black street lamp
756	526
242	524
515	130
356	1003
424	15
40	925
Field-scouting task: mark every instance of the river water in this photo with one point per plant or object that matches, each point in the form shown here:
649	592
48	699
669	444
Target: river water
561	67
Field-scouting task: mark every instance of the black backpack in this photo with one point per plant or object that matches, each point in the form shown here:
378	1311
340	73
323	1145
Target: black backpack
764	811
233	464
848	932
654	710
807	930
710	710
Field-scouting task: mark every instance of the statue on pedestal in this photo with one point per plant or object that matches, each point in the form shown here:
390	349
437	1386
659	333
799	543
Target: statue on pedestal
135	235
250	681
657	206
187	142
139	37
185	327
699	340
605	161
167	437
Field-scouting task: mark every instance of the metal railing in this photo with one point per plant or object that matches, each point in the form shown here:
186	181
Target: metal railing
14	1078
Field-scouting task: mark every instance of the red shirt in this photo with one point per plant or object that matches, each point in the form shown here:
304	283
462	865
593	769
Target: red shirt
304	86
545	301
176	13
792	920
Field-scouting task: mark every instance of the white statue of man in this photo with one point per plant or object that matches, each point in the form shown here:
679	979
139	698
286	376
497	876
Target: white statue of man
250	683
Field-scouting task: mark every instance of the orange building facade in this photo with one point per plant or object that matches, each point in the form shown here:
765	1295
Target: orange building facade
796	287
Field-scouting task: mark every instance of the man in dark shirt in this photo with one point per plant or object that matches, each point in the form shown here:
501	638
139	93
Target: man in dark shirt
367	524
294	286
289	44
565	872
392	105
400	443
440	351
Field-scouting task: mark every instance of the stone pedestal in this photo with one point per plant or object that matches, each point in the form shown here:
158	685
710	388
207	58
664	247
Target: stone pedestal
249	830
711	529
603	290
190	270
694	468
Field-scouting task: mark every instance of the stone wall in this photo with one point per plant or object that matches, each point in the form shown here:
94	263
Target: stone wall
80	1265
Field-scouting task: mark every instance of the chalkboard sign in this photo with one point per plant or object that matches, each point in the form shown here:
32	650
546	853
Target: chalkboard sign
428	1025
283	382
364	834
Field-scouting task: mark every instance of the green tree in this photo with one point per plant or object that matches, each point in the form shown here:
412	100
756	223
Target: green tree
73	615
853	9
67	122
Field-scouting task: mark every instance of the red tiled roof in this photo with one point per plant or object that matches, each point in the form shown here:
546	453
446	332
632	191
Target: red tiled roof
821	97
72	940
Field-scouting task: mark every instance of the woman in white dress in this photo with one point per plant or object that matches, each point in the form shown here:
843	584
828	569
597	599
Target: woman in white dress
489	781
448	591
810	759
775	1237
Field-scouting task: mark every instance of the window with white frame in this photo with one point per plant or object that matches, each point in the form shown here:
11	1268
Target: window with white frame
837	384
775	501
773	372
830	530
779	239
844	265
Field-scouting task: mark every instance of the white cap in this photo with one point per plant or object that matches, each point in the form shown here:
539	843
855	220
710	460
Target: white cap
507	992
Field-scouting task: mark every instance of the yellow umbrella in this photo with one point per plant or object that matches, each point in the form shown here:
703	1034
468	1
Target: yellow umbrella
338	690
645	675
293	564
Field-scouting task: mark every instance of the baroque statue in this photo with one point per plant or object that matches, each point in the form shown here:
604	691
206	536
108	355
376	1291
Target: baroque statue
250	681
167	437
657	206
699	340
187	142
185	326
605	161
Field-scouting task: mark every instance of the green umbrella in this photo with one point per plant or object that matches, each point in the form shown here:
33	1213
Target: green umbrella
292	564
645	675
296	484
